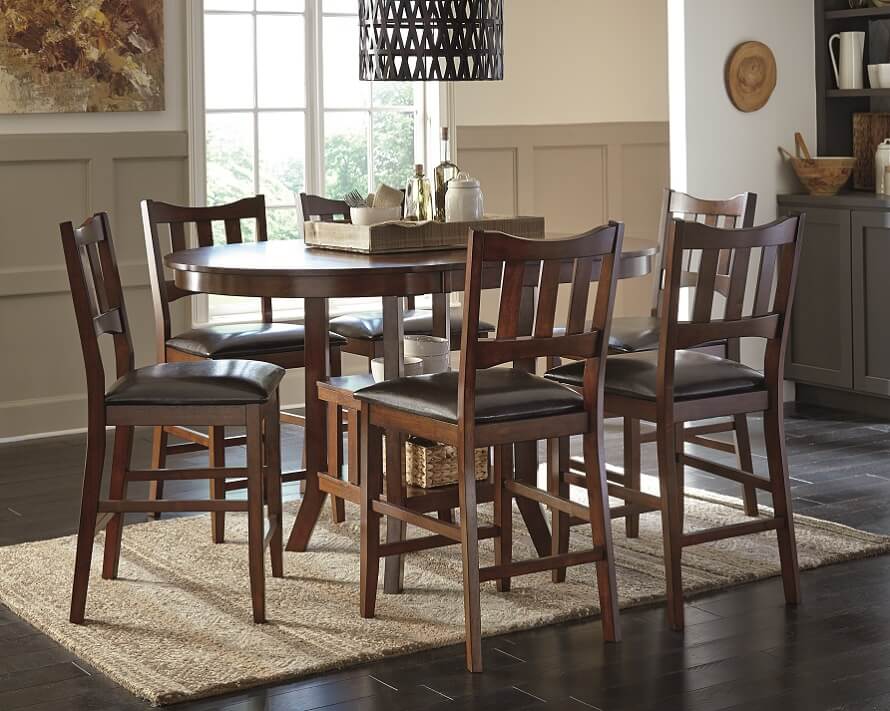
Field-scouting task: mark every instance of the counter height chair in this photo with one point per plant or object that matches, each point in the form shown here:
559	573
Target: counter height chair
265	340
675	385
634	334
486	406
203	392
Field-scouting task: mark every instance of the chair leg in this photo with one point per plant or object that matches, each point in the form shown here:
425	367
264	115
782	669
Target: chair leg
469	548
120	463
503	511
672	521
601	531
272	456
371	485
335	458
255	527
89	504
632	467
557	457
158	461
218	486
746	462
774	434
394	566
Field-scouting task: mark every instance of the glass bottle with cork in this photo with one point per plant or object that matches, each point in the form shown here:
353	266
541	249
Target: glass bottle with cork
445	171
418	197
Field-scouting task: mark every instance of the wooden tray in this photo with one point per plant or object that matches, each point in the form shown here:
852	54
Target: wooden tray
869	130
391	237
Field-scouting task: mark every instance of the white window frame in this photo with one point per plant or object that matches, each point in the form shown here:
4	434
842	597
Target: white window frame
433	101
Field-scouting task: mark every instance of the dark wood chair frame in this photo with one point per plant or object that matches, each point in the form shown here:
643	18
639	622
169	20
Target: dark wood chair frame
552	258
100	310
736	212
164	292
779	245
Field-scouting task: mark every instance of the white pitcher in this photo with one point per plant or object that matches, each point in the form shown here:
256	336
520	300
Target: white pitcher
848	72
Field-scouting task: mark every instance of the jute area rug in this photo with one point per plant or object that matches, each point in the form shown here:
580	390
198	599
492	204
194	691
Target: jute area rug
177	624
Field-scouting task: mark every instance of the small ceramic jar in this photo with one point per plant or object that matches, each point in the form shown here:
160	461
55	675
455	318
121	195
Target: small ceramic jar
882	161
463	200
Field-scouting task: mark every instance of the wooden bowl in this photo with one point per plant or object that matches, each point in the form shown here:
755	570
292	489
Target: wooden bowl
823	176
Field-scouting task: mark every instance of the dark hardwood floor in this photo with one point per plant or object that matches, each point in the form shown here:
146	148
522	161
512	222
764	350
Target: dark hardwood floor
742	649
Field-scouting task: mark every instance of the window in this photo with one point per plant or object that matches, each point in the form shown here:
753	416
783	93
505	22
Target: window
285	112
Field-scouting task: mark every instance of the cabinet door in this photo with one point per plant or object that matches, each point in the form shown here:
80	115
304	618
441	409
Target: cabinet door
821	345
871	302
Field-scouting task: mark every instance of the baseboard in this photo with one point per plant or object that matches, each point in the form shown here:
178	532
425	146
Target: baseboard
859	403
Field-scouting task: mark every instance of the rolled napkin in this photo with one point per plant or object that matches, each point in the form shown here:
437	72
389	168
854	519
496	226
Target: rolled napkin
387	196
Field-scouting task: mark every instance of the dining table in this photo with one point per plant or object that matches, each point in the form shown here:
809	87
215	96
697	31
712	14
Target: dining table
288	269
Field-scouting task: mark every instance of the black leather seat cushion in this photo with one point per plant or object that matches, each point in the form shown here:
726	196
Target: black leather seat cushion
202	382
243	340
368	326
502	395
696	375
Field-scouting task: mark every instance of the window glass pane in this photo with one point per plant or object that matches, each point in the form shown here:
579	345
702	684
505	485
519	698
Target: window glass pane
282	143
230	174
280	5
281	61
350	6
393	93
345	152
393	148
342	87
284	223
228	61
230	5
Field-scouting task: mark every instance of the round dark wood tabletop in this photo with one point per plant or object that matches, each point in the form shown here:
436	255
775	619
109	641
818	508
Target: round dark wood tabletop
288	268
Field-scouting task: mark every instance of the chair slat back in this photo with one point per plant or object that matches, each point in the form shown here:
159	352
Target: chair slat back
735	213
165	224
320	209
542	264
768	318
98	299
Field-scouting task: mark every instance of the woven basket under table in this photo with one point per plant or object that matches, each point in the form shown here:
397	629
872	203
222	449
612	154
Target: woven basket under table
429	464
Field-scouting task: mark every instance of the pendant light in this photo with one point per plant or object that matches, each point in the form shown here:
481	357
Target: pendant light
431	40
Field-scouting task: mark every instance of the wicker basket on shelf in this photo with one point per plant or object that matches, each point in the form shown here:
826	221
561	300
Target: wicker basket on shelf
430	465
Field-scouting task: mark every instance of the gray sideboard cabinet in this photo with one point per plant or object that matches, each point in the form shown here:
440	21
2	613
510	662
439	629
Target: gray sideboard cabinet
839	352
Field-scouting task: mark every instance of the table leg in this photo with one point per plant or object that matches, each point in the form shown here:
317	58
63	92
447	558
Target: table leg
526	453
394	367
442	329
317	364
442	316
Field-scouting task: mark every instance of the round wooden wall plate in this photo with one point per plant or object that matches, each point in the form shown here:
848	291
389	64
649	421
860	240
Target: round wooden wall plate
751	76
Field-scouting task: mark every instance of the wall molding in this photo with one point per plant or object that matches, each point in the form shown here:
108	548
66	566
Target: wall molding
46	179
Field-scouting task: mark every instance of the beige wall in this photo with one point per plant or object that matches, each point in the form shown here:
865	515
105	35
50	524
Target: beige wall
62	167
575	61
577	176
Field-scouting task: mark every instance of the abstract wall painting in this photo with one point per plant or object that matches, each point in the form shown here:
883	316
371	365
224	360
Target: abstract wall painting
71	56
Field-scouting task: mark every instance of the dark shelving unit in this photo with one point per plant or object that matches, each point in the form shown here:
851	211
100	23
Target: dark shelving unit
848	14
835	107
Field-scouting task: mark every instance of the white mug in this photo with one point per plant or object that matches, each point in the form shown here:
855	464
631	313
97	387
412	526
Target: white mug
848	72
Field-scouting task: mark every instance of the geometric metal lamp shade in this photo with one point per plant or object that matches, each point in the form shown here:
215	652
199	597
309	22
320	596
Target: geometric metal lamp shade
431	40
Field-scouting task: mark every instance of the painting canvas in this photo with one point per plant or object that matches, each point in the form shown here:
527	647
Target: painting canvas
64	56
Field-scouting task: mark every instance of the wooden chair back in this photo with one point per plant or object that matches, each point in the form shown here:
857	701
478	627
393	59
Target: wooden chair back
735	213
769	315
98	301
320	209
542	264
166	224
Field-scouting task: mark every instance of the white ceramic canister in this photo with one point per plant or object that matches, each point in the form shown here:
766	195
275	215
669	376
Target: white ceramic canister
433	352
882	161
463	200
